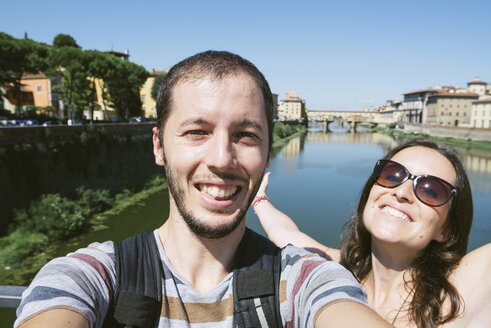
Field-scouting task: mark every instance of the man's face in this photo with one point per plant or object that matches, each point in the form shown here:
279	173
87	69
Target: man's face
215	150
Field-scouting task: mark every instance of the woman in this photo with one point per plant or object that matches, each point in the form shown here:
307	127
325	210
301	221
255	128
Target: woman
407	241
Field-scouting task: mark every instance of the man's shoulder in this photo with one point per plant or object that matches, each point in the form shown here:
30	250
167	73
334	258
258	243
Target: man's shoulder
81	280
301	262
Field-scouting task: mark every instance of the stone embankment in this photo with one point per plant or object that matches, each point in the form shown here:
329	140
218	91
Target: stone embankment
17	134
449	131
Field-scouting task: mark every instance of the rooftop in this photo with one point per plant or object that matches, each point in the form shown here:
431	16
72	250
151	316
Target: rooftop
456	95
422	91
477	80
482	101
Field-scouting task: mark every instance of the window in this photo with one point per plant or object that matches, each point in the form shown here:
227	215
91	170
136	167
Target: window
442	113
39	88
457	114
143	98
465	113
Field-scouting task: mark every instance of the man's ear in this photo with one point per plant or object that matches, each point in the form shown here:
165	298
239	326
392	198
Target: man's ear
269	164
158	150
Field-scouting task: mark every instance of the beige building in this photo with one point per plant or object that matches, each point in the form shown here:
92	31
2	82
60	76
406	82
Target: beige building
292	108
450	109
481	113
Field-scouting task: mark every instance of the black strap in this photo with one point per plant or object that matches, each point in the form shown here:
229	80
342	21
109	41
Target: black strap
256	282
138	289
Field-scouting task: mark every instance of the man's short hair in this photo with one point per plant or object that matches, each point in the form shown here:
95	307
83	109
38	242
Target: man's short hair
215	65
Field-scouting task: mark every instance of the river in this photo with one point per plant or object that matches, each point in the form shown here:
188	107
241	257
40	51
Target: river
316	179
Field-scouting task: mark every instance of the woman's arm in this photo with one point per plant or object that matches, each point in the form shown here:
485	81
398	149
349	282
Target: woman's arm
471	278
281	229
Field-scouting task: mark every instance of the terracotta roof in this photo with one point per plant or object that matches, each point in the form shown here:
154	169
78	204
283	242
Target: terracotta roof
421	91
456	94
155	73
476	82
487	100
33	76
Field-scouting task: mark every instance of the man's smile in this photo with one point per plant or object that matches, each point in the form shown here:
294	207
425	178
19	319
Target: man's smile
218	192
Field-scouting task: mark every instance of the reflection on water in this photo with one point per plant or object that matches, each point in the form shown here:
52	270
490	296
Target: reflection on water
476	162
317	178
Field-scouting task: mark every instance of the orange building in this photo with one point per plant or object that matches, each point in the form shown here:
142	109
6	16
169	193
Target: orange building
40	87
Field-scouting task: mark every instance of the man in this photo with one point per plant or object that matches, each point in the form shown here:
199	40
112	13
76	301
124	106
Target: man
213	138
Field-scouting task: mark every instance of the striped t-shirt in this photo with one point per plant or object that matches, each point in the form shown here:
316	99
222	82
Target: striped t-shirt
84	282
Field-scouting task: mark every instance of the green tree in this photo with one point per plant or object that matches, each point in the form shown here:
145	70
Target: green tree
124	87
101	67
64	40
19	57
75	85
156	85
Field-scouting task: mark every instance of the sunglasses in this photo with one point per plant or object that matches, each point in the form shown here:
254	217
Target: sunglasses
429	189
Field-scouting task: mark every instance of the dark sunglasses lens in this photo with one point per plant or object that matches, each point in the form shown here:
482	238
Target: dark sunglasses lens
390	174
432	191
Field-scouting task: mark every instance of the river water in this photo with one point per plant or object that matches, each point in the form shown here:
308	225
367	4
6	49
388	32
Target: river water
316	179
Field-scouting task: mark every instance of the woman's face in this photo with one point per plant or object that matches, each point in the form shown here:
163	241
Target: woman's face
396	215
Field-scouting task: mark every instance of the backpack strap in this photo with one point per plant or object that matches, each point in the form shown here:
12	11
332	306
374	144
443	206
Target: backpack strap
138	289
256	282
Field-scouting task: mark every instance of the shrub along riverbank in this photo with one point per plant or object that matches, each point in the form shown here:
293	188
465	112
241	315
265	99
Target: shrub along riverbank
37	230
52	218
282	132
94	158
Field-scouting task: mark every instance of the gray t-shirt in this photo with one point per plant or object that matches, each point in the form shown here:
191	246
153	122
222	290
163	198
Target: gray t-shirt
84	282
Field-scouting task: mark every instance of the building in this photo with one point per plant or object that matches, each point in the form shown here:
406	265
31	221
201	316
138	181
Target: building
450	108
36	90
292	108
481	113
103	109
478	86
414	105
40	87
149	106
122	55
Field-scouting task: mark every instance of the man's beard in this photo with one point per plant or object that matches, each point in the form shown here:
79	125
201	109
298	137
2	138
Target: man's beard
199	228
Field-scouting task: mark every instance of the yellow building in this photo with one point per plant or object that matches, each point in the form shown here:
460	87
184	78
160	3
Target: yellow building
103	109
149	107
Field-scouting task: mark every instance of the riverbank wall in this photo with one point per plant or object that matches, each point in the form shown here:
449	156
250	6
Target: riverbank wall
449	131
40	160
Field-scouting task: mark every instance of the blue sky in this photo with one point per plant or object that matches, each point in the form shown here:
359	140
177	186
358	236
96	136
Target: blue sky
336	54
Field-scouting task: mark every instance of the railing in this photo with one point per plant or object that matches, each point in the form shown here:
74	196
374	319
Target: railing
10	296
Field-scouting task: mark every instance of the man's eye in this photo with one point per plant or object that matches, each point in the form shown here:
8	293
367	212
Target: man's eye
247	136
195	135
195	132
